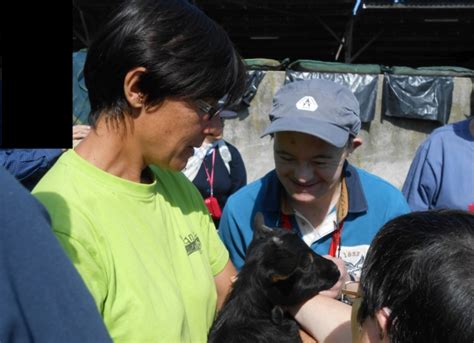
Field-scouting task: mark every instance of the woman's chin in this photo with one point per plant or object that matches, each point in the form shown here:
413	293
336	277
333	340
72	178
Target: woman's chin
303	197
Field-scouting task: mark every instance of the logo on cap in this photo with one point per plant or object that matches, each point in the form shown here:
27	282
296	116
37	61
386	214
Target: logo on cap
307	103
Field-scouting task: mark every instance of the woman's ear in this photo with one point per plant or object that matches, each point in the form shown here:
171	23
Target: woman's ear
131	90
382	317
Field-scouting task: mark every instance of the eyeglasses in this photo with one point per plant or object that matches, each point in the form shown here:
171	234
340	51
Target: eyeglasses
209	109
352	295
350	292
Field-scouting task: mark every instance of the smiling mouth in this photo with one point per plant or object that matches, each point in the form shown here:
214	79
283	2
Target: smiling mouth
304	185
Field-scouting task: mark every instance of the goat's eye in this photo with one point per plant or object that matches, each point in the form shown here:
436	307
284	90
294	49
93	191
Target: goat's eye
307	262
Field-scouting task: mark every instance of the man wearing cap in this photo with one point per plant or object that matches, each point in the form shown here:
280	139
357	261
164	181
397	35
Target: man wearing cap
314	191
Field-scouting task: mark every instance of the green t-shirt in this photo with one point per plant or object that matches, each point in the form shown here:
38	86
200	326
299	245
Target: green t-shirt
147	252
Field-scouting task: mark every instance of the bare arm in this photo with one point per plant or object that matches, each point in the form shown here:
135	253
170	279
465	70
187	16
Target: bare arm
223	282
326	319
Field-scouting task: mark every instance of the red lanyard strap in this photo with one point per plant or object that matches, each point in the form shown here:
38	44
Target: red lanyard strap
335	240
210	178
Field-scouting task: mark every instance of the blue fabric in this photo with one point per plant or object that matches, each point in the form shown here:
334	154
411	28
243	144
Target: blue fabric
331	112
42	297
372	202
80	96
1	113
442	172
28	165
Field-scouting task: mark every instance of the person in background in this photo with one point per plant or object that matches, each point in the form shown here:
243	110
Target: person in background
134	226
442	172
314	191
42	297
416	286
216	168
29	165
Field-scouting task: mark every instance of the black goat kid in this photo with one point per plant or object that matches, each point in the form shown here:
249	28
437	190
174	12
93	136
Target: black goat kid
280	270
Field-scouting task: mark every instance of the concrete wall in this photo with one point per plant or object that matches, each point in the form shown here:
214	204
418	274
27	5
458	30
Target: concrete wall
389	144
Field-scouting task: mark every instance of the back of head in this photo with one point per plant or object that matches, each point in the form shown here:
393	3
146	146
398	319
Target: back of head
186	55
421	267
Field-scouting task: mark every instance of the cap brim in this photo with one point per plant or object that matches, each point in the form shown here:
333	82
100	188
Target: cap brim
228	114
328	132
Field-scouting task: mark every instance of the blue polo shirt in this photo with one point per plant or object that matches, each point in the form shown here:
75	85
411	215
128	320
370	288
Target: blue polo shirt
372	202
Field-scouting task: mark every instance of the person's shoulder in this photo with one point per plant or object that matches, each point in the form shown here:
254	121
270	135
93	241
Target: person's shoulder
175	185
20	212
373	182
232	148
440	133
15	197
230	145
250	191
58	177
68	192
382	196
444	136
171	178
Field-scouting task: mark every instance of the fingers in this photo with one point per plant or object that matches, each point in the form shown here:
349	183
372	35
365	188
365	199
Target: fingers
80	131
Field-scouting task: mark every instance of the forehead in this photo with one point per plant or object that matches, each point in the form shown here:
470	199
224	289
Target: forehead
288	240
297	143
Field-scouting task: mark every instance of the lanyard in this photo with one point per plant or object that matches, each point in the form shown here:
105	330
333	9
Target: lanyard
335	240
210	178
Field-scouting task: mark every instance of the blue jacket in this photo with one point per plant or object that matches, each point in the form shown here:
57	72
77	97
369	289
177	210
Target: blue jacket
28	165
42	296
372	202
442	172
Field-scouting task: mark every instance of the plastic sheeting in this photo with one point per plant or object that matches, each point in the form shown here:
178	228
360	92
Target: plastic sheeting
421	97
254	77
265	64
364	87
334	67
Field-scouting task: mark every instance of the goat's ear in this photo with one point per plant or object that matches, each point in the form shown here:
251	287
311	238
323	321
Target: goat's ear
260	230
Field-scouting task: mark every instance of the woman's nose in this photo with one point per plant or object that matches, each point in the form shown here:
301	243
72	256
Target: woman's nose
304	172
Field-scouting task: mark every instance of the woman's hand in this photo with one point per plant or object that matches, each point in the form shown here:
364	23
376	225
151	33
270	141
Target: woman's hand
79	132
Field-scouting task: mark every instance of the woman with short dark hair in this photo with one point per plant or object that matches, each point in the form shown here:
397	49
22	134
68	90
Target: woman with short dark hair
135	228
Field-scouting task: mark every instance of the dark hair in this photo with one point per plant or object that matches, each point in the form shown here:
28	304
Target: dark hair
421	266
186	55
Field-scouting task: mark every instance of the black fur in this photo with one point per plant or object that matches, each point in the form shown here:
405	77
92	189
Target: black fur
280	270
